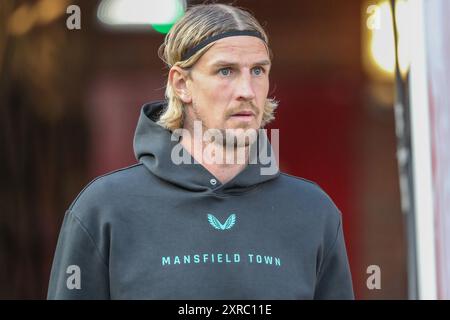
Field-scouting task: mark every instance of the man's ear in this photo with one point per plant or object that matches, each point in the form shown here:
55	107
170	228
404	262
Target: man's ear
178	78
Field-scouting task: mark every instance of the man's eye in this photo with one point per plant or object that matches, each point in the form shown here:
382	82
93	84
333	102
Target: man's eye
258	71
225	71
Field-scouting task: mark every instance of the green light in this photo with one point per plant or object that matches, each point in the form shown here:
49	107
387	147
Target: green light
165	28
162	28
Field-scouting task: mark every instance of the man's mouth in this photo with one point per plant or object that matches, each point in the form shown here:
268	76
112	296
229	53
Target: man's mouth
243	115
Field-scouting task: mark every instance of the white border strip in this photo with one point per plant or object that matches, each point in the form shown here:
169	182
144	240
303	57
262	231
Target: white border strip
421	144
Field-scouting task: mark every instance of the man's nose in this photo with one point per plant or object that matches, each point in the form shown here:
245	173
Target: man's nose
245	87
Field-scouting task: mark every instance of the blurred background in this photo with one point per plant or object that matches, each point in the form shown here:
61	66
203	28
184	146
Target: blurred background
75	73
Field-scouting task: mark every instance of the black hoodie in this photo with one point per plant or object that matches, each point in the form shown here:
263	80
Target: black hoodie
160	230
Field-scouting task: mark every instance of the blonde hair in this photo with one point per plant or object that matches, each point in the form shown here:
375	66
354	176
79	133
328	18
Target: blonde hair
201	22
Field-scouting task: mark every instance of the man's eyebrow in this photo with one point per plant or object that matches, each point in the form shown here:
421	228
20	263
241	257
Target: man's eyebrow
231	63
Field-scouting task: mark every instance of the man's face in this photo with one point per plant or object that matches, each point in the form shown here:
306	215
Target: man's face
229	85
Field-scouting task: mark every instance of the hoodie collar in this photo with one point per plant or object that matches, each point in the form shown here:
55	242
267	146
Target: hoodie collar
153	147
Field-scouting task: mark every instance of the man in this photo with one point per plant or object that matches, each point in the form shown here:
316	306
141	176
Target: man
186	222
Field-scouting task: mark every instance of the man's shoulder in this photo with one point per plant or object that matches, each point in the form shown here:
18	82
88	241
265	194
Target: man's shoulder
297	184
299	181
109	187
309	194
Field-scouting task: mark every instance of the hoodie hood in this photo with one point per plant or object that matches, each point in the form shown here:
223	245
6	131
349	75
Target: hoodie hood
153	147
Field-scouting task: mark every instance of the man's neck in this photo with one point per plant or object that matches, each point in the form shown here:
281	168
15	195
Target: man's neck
223	170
